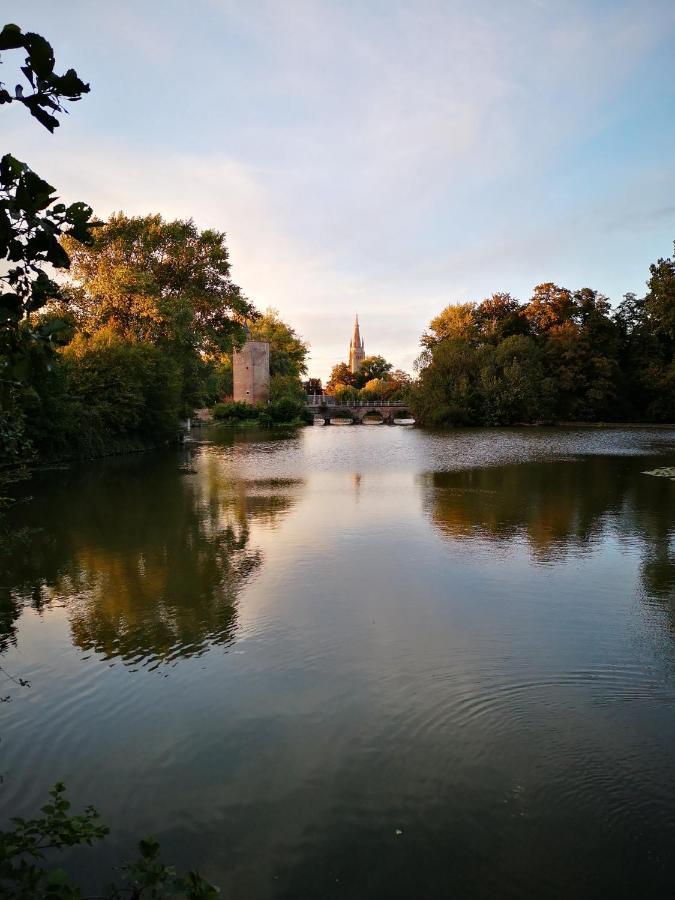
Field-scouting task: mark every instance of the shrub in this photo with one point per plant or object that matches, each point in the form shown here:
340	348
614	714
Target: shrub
286	409
240	412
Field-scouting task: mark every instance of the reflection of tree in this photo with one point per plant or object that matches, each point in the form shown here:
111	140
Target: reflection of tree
148	562
558	506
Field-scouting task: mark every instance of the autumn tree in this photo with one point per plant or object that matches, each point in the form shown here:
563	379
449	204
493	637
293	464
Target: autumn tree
341	376
164	283
549	307
498	317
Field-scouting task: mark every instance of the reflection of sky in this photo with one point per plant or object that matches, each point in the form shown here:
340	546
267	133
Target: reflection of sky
385	673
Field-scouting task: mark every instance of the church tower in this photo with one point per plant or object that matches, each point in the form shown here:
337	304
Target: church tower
357	351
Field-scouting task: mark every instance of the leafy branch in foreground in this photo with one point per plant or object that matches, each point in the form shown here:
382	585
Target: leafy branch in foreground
31	219
25	875
47	88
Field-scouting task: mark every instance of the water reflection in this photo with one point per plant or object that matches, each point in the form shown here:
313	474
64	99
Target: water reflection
558	507
150	555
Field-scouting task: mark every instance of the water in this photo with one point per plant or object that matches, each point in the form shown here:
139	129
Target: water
356	662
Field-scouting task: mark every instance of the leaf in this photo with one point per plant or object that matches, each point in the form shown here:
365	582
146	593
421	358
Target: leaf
70	85
40	54
11	38
44	118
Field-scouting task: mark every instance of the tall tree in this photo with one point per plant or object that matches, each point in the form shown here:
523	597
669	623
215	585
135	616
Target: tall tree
165	283
660	299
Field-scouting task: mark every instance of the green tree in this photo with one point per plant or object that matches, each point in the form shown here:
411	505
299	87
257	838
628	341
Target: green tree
372	367
447	391
163	283
288	352
660	299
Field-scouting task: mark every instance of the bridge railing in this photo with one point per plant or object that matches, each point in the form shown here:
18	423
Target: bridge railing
327	400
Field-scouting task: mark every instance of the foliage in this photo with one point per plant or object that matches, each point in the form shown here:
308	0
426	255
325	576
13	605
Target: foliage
31	219
166	283
286	386
564	355
313	386
372	367
98	395
231	411
47	88
288	352
25	875
286	410
340	376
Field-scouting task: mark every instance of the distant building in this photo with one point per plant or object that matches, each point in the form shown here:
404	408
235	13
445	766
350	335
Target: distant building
357	351
251	373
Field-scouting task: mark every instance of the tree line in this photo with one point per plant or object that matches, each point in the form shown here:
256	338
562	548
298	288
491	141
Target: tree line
563	355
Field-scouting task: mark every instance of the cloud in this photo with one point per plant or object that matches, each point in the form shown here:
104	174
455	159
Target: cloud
384	159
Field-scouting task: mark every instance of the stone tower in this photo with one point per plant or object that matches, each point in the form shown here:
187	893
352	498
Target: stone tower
251	373
357	350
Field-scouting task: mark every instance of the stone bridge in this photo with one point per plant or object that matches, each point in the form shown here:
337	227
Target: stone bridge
321	405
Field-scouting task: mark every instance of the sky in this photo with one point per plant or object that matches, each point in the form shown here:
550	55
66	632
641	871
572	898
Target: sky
377	157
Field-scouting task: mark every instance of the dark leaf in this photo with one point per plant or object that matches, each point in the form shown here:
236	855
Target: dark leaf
40	54
11	38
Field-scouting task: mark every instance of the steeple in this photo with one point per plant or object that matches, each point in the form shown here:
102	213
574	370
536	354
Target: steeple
357	350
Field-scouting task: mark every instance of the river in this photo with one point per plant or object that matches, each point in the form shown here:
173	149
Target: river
367	662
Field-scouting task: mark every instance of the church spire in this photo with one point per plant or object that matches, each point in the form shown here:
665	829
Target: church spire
357	350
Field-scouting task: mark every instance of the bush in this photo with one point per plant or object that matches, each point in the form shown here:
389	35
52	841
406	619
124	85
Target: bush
239	412
287	409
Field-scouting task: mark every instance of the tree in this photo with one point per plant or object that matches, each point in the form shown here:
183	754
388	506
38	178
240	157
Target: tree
31	219
550	306
447	391
456	322
288	352
285	386
341	376
660	299
164	283
313	386
500	316
372	367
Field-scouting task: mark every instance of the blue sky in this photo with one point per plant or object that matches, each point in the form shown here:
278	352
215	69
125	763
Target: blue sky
384	158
